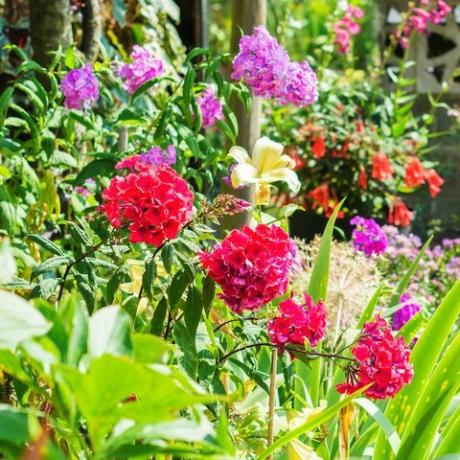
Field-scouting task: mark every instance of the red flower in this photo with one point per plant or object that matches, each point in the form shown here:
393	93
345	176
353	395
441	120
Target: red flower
399	214
435	182
342	152
362	179
320	197
318	146
291	150
381	359
297	324
153	200
415	173
251	266
381	167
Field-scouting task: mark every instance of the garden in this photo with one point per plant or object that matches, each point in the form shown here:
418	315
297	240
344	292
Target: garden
229	229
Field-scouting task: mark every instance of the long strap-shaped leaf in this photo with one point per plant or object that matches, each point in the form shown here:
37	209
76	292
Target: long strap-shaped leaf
318	290
424	357
450	435
311	424
408	275
423	422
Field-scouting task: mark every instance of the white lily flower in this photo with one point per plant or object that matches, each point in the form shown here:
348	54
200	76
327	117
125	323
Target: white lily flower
267	165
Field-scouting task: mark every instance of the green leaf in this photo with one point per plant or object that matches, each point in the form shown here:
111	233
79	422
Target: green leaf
424	357
50	265
187	345
312	423
159	316
14	427
46	244
402	285
448	443
192	310
382	421
368	312
317	288
100	167
19	321
5	98
109	332
178	286
150	349
167	257
76	324
149	276
208	293
60	158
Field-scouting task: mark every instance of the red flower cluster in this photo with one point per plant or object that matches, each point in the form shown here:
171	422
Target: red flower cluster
153	199
321	198
382	360
399	214
381	167
251	266
417	175
297	324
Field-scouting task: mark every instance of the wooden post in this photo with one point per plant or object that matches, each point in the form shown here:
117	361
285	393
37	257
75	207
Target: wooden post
50	28
194	23
246	14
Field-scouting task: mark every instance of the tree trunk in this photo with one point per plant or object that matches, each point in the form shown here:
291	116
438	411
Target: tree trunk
92	28
246	15
50	27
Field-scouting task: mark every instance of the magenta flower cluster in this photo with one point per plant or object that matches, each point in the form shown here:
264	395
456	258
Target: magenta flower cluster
142	68
346	27
368	237
264	65
405	313
251	266
426	13
80	88
210	107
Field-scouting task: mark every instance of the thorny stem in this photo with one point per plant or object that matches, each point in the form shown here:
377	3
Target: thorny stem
79	259
271	399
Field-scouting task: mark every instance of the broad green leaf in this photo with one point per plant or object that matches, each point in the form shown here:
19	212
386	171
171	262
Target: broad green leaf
448	443
109	332
103	166
411	328
159	316
13	425
19	321
192	310
187	345
76	324
310	425
424	357
150	349
149	276
50	265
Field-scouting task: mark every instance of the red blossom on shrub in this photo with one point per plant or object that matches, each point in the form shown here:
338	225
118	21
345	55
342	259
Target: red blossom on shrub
153	200
318	147
251	266
399	214
381	359
415	173
435	182
362	179
297	323
381	167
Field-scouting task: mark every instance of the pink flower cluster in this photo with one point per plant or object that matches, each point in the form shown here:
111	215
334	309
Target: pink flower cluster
210	107
381	360
153	200
157	155
264	65
80	88
346	27
297	324
251	266
419	18
142	68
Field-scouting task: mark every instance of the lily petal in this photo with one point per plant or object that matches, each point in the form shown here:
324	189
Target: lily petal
243	174
283	174
239	155
266	154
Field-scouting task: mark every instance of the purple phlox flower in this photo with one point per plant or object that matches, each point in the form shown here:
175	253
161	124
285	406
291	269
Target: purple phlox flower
80	88
142	68
210	107
264	65
453	267
156	155
405	313
300	86
401	244
368	236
